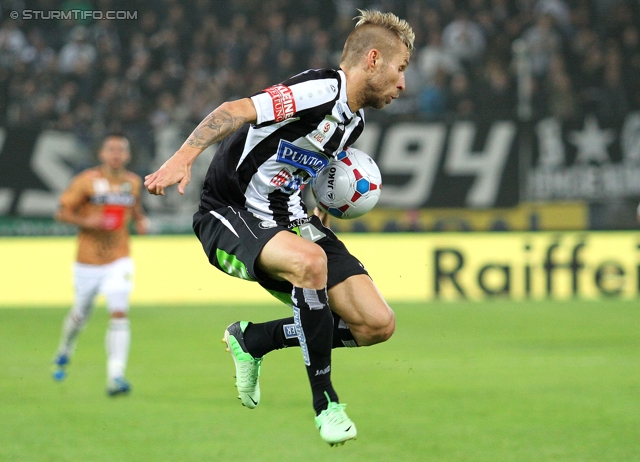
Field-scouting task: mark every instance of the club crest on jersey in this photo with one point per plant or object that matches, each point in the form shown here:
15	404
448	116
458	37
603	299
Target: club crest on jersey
284	106
286	181
309	161
282	178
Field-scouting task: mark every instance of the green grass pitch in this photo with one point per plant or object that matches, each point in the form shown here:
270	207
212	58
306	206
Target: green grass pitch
492	381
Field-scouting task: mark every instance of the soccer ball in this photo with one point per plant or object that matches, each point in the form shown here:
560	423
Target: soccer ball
349	186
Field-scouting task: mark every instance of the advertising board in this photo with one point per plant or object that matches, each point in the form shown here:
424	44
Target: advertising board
424	267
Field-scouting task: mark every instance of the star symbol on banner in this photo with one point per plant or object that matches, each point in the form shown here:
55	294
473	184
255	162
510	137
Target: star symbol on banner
592	142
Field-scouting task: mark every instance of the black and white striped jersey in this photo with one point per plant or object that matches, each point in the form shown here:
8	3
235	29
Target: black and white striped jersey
301	124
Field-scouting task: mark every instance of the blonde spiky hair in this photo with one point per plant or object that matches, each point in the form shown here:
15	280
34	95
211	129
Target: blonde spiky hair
390	21
375	29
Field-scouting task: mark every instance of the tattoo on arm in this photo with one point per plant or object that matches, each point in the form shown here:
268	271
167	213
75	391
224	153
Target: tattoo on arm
214	128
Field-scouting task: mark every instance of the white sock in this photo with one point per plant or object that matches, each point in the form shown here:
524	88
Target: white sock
117	343
71	327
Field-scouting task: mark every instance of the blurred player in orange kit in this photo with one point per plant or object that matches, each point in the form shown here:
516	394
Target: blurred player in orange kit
101	202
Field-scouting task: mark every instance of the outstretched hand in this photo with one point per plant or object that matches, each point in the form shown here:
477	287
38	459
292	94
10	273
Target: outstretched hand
175	170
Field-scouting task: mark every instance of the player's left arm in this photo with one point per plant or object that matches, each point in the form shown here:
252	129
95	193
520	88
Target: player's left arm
324	216
224	120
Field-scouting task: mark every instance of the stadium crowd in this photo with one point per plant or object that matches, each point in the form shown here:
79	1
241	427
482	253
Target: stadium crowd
179	59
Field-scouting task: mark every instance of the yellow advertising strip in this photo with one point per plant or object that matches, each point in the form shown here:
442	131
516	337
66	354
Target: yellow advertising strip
169	270
586	265
528	216
406	267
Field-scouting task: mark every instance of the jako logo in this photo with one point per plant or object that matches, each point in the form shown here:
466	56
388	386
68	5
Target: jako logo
330	181
309	161
284	106
267	224
324	371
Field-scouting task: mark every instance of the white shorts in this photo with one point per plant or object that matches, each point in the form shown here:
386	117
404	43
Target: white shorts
113	280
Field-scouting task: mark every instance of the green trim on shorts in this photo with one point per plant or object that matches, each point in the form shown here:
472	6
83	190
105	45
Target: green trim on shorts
231	265
309	231
282	296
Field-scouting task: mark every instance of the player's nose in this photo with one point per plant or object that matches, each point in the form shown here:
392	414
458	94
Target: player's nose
401	85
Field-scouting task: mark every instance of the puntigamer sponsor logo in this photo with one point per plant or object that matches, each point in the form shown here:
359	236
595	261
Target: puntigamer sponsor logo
309	161
284	106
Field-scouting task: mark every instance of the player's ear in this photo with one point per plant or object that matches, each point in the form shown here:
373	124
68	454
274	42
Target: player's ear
373	59
127	150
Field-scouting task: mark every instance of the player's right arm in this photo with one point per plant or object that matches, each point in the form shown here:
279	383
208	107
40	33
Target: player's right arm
223	121
72	200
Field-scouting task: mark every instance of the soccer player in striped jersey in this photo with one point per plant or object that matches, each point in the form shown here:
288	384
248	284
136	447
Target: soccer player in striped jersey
253	224
101	202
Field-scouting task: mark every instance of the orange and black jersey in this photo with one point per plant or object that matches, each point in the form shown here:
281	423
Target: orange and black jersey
115	198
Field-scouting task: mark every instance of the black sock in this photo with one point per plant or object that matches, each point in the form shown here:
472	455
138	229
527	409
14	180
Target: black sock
314	327
342	336
264	337
267	336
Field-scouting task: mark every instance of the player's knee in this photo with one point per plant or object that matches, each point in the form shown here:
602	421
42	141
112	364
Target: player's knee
79	318
378	329
118	314
386	326
311	269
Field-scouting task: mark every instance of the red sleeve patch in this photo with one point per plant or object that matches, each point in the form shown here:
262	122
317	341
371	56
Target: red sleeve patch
284	106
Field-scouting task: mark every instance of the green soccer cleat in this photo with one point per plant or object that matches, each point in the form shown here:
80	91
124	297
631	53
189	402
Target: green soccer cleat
247	367
335	425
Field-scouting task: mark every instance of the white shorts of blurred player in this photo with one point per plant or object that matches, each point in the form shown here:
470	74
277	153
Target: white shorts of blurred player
114	281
